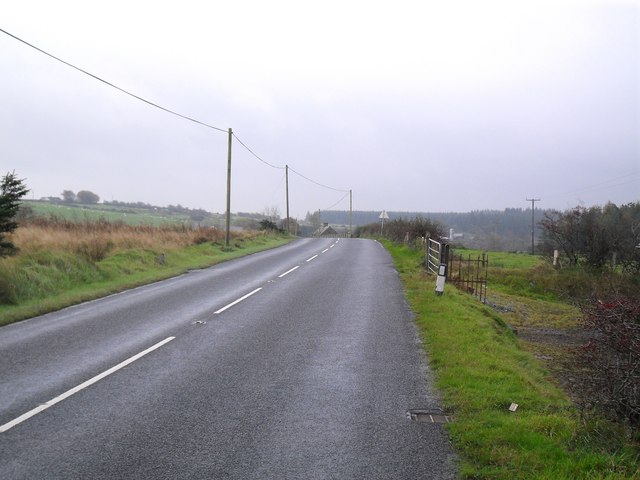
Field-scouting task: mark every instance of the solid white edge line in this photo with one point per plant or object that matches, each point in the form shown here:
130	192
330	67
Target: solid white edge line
308	260
289	271
244	297
82	386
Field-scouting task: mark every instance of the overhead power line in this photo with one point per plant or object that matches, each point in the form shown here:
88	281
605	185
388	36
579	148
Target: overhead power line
114	86
167	110
341	199
611	183
282	168
277	189
317	183
255	155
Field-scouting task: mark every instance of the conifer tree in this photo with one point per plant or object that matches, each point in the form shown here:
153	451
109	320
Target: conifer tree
12	189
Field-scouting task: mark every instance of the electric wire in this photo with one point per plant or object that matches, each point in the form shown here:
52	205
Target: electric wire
607	183
282	168
341	199
255	155
317	183
606	187
185	117
277	189
114	86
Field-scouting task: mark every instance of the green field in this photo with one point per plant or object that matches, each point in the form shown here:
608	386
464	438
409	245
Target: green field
482	368
109	213
504	259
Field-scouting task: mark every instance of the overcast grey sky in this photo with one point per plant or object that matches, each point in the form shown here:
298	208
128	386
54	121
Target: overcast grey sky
415	105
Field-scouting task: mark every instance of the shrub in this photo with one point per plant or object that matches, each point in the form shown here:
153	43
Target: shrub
95	249
268	225
611	360
8	295
400	230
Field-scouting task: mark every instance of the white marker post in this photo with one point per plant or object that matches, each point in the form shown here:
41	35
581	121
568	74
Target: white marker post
442	275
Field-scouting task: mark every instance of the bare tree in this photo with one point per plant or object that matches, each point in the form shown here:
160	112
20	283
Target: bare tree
596	236
271	213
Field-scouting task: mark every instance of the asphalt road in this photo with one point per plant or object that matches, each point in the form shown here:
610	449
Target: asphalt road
310	375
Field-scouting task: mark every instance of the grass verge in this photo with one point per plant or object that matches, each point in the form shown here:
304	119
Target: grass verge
42	281
481	370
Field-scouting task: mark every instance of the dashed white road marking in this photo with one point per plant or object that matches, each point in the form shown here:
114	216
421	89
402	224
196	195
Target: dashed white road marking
82	386
97	378
244	297
289	271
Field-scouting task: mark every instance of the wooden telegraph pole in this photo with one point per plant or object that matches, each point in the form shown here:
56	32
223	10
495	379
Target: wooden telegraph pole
533	202
228	233
350	213
286	175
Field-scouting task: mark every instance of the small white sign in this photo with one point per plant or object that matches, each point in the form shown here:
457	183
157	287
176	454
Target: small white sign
384	215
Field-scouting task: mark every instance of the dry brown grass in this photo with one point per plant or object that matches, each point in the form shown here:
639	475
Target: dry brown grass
96	239
60	263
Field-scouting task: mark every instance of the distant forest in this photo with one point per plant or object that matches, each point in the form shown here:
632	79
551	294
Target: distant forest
496	230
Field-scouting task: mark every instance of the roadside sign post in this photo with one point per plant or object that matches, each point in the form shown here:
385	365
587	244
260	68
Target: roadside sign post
382	217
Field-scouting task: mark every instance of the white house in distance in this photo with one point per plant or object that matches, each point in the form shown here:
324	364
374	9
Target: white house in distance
452	236
326	230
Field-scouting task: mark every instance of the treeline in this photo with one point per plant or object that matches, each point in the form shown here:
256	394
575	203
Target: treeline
169	209
515	220
402	230
495	230
85	197
595	237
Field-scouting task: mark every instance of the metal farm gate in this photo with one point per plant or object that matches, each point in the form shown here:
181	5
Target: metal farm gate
469	275
437	254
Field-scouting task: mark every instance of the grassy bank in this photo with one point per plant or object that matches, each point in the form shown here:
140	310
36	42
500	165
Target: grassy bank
63	263
481	370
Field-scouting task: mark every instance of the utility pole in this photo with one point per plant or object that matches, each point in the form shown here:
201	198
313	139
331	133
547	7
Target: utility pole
533	202
228	234
350	213
286	175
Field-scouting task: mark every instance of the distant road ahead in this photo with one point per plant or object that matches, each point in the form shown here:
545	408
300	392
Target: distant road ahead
299	362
